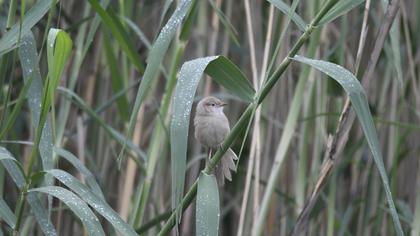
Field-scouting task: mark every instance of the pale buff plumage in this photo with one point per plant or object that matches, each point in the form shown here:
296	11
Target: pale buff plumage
211	128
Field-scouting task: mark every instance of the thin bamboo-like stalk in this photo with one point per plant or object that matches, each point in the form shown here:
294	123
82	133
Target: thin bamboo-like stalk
255	153
212	43
256	138
131	169
250	33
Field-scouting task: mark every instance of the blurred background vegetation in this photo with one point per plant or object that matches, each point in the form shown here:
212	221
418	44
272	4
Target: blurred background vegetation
82	81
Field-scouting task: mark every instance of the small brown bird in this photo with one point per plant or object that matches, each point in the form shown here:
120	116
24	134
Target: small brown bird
211	128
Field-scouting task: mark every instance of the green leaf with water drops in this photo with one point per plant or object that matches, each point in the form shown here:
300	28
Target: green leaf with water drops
9	40
77	205
222	71
6	156
16	172
359	102
59	47
207	210
28	57
6	214
88	176
94	201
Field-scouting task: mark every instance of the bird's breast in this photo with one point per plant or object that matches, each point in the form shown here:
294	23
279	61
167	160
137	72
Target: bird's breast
211	130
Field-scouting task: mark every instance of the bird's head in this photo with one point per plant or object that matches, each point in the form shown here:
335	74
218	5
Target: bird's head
210	106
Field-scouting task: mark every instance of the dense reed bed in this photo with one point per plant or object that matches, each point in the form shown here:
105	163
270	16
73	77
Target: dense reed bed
97	101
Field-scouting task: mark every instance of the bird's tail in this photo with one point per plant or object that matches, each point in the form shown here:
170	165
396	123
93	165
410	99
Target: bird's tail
225	166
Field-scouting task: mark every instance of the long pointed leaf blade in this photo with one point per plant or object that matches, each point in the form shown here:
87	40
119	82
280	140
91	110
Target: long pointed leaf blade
339	9
89	178
117	29
117	82
233	34
41	214
358	99
29	60
93	200
59	45
283	7
227	74
6	214
78	206
16	172
10	40
207	206
6	157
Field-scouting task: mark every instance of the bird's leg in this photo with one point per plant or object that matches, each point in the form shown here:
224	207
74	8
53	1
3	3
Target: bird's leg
208	156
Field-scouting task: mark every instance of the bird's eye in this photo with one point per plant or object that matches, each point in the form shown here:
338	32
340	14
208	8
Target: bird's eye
213	104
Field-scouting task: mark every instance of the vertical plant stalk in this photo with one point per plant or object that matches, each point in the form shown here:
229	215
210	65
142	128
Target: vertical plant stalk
127	190
255	143
242	122
250	32
346	120
212	43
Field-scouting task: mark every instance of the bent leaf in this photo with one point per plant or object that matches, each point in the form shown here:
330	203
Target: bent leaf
89	178
94	201
15	171
28	57
6	214
9	41
78	206
124	40
359	102
283	7
339	9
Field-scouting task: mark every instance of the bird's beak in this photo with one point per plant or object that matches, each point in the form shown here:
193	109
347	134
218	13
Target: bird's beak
223	104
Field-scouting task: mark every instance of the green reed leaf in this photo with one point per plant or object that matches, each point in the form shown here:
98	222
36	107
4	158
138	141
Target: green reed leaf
359	102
